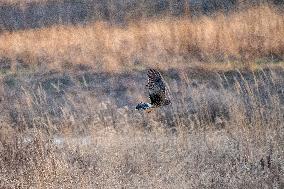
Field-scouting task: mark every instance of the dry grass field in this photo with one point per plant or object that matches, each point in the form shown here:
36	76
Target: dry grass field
68	95
254	35
225	130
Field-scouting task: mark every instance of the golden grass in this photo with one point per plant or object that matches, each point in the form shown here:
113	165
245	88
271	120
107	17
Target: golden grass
94	144
242	36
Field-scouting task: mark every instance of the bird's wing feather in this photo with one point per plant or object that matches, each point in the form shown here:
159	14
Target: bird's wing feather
156	87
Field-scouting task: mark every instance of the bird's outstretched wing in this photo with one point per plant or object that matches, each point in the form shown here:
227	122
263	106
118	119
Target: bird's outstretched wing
156	88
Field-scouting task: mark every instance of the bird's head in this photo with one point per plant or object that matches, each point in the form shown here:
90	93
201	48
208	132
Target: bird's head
167	102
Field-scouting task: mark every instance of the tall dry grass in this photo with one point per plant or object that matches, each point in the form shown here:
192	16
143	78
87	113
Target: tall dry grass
251	35
224	131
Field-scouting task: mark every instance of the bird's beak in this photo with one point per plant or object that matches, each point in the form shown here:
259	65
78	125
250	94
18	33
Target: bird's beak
149	110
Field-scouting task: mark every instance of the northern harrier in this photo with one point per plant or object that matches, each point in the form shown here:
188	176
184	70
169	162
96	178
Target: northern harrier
157	92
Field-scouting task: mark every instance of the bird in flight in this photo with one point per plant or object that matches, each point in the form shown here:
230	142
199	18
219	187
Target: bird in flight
157	92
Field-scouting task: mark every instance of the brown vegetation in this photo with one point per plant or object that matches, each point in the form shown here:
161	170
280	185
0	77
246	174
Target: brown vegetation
67	98
252	35
223	130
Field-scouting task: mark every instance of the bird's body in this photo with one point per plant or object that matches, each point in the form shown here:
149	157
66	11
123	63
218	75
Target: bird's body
157	92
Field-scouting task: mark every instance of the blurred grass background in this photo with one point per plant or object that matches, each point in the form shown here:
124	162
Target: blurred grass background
247	37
